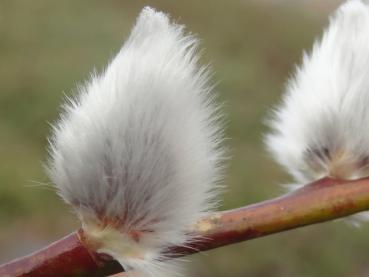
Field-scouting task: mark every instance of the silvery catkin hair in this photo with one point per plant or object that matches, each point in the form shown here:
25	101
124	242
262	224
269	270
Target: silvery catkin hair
137	152
320	128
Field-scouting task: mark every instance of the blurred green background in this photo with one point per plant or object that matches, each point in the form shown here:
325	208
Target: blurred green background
47	47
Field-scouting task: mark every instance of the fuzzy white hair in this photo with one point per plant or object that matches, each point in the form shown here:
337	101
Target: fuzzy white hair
320	128
137	153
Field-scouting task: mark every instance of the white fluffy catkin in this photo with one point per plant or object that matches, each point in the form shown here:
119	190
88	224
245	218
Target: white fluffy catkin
321	127
137	153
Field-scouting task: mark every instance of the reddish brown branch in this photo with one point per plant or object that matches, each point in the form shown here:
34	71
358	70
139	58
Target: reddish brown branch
68	256
321	201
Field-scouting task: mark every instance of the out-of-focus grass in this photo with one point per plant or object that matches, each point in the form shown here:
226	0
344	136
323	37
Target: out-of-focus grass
47	47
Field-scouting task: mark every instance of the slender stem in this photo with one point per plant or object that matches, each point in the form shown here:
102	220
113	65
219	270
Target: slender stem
68	256
317	202
320	201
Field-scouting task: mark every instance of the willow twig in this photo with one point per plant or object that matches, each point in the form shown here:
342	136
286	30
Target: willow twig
320	201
